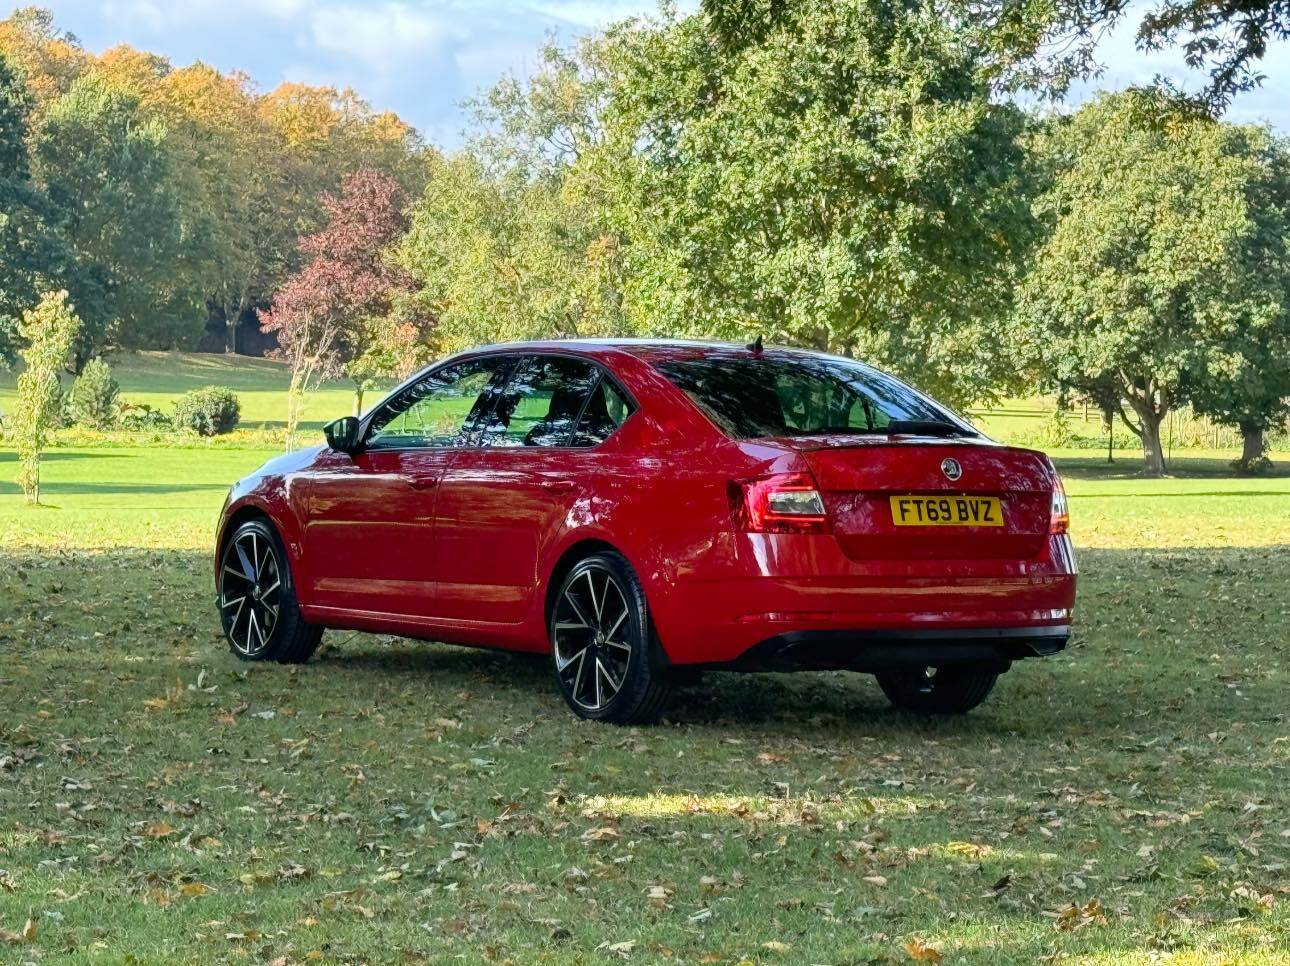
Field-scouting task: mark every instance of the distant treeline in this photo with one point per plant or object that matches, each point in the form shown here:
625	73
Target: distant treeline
839	175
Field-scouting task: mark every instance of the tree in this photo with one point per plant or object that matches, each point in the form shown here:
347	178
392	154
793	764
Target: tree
49	330
1044	45
326	316
32	255
502	258
830	175
108	173
49	58
1155	260
1247	382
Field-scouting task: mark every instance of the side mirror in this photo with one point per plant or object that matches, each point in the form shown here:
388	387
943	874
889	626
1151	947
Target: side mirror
342	435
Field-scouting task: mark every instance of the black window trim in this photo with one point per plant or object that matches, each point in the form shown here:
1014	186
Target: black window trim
510	358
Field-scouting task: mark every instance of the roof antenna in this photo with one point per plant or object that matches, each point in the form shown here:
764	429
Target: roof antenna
755	348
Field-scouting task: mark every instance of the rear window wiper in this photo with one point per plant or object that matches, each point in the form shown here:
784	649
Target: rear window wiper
924	427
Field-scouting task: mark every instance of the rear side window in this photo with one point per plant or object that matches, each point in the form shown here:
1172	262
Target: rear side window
554	401
798	395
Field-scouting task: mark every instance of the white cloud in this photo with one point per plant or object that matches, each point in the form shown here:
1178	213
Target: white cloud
381	33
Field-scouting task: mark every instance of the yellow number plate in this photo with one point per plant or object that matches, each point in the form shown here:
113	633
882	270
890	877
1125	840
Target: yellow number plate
947	511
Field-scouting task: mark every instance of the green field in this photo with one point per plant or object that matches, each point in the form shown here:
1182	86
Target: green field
156	378
392	801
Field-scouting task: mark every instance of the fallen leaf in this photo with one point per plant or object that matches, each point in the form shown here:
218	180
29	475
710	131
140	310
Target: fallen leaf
920	952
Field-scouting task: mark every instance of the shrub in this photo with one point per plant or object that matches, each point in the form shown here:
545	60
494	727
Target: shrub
208	411
144	418
92	401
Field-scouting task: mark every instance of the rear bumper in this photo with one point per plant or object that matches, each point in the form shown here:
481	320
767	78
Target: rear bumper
877	650
793	588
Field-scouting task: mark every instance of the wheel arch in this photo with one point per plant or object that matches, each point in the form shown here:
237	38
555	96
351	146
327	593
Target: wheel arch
250	508
568	559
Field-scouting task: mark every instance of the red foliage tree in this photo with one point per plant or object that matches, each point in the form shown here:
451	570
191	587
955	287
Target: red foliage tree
333	317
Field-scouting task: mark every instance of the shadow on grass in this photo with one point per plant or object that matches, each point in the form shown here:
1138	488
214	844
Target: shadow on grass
48	488
805	787
58	455
1130	468
1129	604
1182	493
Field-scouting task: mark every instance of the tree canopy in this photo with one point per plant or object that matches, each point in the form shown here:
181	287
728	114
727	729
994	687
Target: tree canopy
1157	268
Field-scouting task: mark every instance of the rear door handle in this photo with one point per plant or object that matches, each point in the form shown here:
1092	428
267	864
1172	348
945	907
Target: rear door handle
557	486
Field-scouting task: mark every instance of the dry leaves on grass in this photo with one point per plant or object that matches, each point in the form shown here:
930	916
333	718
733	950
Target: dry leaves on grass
920	952
25	935
1077	917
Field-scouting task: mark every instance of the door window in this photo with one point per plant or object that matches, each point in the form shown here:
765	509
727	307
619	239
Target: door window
438	411
542	403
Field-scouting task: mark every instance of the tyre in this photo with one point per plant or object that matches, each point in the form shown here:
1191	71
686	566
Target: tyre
607	660
257	599
947	690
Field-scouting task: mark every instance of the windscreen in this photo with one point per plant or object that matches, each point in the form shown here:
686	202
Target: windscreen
800	396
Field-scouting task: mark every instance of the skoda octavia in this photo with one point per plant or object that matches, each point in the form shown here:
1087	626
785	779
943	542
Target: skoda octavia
643	510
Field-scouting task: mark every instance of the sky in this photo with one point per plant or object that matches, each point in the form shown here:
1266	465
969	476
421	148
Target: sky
423	58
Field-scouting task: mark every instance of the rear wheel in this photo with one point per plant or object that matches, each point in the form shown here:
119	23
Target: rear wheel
607	661
257	599
946	690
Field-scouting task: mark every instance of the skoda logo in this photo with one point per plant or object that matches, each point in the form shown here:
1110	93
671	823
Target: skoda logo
951	468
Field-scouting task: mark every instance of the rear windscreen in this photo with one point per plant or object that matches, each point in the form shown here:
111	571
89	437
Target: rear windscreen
799	396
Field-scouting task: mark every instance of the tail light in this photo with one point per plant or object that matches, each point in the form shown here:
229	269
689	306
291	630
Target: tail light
784	503
1059	521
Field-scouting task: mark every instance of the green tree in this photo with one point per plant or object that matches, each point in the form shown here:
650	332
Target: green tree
499	257
49	330
1246	383
1157	259
107	170
29	251
826	174
94	395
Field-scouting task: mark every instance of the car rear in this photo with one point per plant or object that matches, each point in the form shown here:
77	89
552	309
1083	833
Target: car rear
869	528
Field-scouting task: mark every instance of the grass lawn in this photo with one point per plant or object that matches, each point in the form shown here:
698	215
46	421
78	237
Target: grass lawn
157	378
161	802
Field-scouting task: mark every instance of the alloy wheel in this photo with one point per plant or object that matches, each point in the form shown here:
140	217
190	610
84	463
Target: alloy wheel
250	591
591	634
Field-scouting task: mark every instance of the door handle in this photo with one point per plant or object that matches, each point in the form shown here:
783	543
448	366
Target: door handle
422	482
557	486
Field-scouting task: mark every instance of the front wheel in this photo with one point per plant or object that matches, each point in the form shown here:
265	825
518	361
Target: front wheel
607	661
946	690
257	599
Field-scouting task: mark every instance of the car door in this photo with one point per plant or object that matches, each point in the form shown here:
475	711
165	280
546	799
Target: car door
502	501
369	536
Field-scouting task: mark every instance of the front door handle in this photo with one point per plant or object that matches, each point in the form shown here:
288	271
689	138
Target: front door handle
557	486
422	482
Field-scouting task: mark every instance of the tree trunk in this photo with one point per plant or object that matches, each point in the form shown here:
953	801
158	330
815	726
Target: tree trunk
358	399
231	319
1153	456
1252	448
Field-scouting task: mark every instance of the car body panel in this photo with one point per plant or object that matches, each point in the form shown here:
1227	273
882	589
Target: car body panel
461	544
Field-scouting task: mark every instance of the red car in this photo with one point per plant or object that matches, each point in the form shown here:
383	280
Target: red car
643	510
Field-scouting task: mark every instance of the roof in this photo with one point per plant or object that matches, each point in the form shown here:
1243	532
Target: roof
648	349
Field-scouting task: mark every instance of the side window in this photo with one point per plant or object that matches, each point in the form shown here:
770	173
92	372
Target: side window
607	409
437	411
540	403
